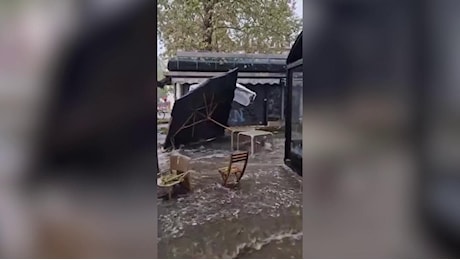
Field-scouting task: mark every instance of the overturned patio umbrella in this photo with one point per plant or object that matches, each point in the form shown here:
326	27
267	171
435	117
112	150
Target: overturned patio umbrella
203	112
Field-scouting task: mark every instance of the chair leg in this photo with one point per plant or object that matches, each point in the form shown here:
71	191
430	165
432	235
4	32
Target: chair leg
225	179
239	176
231	141
238	141
222	175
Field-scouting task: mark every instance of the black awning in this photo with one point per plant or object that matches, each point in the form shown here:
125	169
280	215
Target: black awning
222	62
296	51
162	83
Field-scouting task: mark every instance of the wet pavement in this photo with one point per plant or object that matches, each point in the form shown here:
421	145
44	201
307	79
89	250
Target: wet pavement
260	219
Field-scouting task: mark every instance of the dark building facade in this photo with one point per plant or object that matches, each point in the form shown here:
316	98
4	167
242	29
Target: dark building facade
263	74
294	108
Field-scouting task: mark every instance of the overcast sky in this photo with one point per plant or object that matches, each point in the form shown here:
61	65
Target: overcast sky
298	12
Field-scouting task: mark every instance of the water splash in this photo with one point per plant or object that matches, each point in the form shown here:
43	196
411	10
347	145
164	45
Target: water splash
257	244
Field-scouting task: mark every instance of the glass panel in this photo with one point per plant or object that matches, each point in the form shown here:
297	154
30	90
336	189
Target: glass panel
297	111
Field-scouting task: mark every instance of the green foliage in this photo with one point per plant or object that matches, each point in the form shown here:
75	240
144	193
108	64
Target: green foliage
256	26
160	69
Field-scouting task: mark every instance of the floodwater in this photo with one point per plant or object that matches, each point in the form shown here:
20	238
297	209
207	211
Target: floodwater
260	219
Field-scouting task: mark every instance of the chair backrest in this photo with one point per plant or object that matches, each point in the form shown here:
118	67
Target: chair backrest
239	157
179	162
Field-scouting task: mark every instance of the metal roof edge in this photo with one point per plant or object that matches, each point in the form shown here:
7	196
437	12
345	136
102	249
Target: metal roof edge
230	55
213	74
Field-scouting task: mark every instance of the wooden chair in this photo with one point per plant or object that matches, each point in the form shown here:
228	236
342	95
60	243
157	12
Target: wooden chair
236	157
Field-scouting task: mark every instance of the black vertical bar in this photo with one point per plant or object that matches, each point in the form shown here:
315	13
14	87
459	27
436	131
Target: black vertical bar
288	119
265	120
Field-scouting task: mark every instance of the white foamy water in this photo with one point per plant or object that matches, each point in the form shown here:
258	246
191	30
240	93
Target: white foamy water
258	244
219	220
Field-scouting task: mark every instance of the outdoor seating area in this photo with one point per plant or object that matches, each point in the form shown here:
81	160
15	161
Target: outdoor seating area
208	168
230	191
178	175
213	174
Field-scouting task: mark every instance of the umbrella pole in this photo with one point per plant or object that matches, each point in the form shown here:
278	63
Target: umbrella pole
208	117
219	124
182	126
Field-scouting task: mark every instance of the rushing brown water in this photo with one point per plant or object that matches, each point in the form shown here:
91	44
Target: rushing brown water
260	219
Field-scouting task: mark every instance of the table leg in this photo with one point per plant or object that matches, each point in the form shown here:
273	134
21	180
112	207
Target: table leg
252	145
231	141
238	141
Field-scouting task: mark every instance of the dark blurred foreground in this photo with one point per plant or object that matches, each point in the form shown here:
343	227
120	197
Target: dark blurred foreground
77	141
381	138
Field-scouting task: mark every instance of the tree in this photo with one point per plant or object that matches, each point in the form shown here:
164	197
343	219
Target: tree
160	69
161	92
256	26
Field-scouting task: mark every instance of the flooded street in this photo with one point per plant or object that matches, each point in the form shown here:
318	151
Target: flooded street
260	219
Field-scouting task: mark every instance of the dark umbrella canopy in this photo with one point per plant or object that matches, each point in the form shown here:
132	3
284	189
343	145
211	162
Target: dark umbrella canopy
203	112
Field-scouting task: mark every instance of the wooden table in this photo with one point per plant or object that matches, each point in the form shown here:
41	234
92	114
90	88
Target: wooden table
252	134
